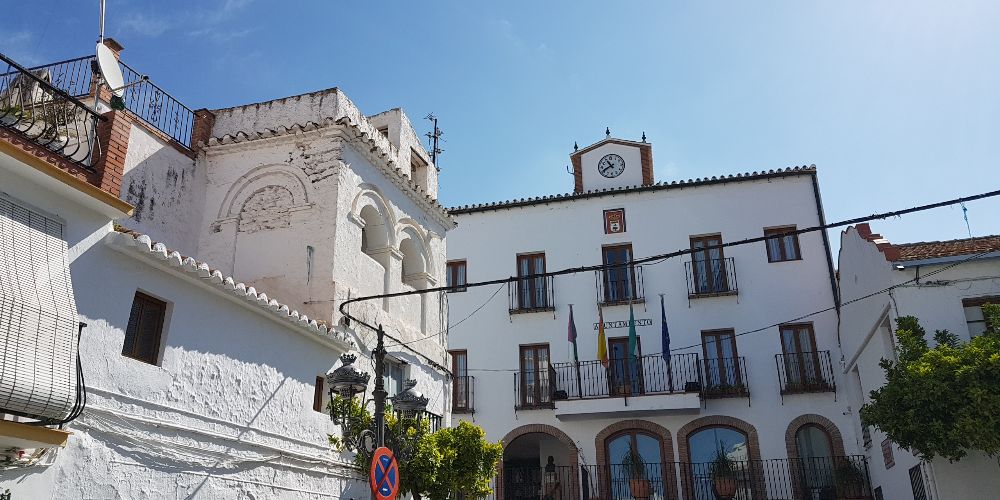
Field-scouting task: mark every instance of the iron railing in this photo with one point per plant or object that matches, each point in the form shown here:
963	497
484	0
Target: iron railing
801	372
650	374
436	421
711	277
463	394
823	478
620	285
46	115
726	378
531	294
534	389
142	97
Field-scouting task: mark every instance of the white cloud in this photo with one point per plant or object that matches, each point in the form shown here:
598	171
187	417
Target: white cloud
144	25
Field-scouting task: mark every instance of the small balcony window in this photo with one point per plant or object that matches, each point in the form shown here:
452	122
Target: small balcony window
145	329
533	292
456	276
621	281
782	246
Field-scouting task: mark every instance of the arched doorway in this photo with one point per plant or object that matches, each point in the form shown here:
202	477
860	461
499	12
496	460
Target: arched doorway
634	456
717	451
539	463
815	453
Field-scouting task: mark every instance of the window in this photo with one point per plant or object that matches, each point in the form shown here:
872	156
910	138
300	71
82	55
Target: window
622	448
722	365
887	456
145	326
625	372
532	293
461	388
802	365
384	131
974	314
318	394
708	265
878	493
780	246
393	378
619	276
815	463
917	483
456	275
534	384
418	170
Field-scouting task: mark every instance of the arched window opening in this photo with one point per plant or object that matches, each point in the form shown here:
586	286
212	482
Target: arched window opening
635	466
413	259
719	462
815	465
374	234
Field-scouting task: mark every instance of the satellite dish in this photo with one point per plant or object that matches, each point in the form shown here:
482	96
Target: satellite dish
107	63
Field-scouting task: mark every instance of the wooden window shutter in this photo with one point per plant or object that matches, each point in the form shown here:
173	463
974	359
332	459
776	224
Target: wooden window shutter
145	326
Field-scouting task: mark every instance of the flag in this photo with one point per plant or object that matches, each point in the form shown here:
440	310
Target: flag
571	334
602	341
633	339
664	331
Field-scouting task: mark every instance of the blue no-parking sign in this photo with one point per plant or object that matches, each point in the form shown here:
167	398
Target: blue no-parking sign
384	476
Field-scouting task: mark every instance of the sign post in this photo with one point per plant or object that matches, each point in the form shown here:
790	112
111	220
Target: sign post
384	476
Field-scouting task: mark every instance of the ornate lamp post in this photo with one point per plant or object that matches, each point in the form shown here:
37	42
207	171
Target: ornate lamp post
348	381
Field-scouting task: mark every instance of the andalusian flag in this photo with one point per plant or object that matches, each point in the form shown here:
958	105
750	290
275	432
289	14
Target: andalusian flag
602	341
633	339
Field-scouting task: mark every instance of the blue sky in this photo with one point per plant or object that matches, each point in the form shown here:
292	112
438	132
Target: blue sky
896	102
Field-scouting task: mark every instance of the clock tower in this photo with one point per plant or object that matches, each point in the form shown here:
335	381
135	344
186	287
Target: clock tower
612	163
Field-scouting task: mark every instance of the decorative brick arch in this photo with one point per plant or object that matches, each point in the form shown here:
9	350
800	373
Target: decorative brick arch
647	427
574	454
753	448
836	440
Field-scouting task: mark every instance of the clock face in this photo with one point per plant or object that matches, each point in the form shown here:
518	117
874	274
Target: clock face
611	166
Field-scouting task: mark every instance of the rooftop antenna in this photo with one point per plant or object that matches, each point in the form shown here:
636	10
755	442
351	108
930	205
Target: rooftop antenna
109	71
433	138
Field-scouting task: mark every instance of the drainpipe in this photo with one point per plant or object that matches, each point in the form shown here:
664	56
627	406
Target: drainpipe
829	255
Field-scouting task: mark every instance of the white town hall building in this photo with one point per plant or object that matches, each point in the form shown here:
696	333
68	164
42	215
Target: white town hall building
772	399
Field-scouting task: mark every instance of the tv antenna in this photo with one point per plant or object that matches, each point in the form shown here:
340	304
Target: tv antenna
106	66
433	138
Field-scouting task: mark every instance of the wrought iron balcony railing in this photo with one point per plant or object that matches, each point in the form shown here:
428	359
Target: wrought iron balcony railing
142	97
650	374
46	115
620	285
711	277
531	295
836	477
534	389
801	372
726	378
463	394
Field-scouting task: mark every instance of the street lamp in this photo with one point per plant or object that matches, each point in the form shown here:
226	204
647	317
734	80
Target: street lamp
348	381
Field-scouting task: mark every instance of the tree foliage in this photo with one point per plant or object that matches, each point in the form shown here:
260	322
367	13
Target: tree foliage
443	463
942	400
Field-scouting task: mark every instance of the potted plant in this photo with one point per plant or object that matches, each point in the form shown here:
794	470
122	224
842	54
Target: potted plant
850	480
725	479
635	469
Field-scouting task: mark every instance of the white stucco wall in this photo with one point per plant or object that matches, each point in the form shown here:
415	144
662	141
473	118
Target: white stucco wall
937	303
166	188
571	234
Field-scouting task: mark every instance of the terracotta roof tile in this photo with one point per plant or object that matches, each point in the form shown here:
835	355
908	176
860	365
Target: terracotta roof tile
937	249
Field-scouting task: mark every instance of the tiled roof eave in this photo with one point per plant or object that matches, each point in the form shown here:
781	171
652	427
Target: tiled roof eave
724	179
140	246
366	144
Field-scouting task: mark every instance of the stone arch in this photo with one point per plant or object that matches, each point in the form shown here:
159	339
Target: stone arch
266	208
647	427
562	437
259	178
753	448
836	439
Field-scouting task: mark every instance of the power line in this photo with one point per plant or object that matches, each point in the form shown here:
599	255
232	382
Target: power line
451	326
652	260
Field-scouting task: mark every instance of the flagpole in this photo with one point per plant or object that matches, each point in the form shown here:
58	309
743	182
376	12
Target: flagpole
576	354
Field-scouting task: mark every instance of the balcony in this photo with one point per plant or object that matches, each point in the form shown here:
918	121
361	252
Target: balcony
582	389
837	477
711	278
726	378
529	295
463	394
805	372
620	285
34	108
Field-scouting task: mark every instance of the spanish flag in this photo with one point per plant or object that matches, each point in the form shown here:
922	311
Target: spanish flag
602	342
